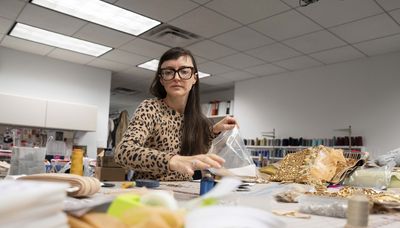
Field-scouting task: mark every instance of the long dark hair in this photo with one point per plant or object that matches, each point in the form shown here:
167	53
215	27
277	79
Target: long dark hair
196	127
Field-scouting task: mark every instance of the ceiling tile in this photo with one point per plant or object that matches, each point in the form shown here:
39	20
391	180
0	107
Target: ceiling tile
201	1
131	81
380	46
292	3
334	12
121	79
273	52
204	88
25	46
140	73
5	25
367	29
158	9
237	75
204	22
50	20
210	50
145	48
200	60
70	56
247	11
107	64
264	70
396	15
11	8
240	61
286	25
298	63
124	57
389	4
215	80
214	68
109	1
243	39
316	41
340	54
102	35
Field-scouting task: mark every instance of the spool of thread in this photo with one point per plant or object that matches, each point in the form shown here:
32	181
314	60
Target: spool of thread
357	211
206	184
77	162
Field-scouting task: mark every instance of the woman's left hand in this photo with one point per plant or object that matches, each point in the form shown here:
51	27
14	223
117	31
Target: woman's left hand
227	123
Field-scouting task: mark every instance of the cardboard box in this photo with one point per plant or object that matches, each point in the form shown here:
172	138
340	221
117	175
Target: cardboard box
106	161
110	174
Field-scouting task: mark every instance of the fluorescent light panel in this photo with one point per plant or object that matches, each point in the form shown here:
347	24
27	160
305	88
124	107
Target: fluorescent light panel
102	13
38	35
153	64
150	65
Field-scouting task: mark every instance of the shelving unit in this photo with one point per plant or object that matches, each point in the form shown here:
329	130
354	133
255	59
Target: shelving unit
216	118
276	153
217	108
270	149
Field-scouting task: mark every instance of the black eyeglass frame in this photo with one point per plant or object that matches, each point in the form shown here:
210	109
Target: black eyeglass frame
177	71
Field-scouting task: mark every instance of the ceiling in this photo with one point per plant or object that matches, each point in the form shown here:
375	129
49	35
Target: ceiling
233	40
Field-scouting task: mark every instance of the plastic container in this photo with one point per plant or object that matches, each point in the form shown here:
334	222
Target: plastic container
323	205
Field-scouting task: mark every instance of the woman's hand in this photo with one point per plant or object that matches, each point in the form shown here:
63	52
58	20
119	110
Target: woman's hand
188	164
227	123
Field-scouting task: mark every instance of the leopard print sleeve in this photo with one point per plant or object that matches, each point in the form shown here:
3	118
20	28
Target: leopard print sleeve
137	150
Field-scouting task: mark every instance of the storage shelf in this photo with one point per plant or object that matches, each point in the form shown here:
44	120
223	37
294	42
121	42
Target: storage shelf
300	147
216	117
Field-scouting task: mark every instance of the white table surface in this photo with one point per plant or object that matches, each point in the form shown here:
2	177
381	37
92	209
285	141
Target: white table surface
261	196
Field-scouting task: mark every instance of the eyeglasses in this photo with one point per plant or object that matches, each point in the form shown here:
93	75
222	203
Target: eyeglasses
184	73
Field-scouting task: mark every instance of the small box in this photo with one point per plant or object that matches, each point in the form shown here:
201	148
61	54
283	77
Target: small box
107	161
110	174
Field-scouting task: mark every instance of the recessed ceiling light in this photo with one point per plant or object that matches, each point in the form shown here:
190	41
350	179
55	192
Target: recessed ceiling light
150	65
153	64
102	13
203	75
57	40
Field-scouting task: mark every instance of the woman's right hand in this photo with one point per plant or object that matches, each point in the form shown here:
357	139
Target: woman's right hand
188	164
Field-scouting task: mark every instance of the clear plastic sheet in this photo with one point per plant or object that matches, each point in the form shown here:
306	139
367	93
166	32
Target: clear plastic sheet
230	146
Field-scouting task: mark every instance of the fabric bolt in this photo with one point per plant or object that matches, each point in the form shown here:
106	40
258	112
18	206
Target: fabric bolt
87	186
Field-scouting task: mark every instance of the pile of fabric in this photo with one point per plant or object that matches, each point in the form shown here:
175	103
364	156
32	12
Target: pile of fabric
316	166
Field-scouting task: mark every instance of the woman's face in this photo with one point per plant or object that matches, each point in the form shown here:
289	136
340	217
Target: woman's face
174	84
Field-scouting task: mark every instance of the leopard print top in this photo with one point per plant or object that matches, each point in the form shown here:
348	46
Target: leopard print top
152	138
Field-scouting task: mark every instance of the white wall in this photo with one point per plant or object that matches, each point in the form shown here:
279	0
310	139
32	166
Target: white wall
45	78
312	103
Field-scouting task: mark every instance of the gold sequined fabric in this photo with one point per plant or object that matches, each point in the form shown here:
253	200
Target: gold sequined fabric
374	196
314	165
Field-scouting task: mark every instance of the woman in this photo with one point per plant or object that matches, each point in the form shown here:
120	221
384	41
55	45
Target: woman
168	136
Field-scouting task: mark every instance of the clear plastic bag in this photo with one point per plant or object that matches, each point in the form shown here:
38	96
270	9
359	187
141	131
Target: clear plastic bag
230	146
393	155
378	178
